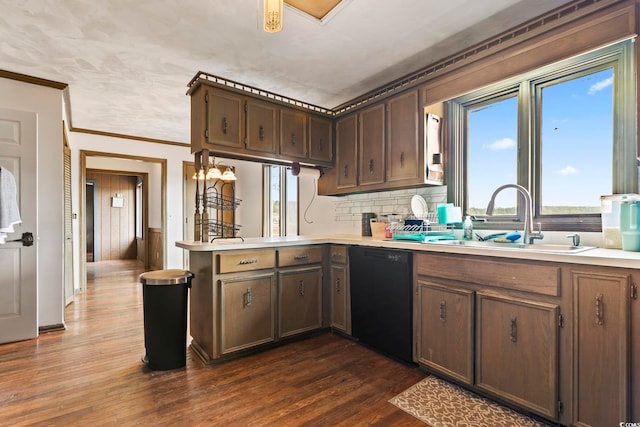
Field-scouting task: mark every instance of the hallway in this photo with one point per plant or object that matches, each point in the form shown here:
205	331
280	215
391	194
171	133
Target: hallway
91	374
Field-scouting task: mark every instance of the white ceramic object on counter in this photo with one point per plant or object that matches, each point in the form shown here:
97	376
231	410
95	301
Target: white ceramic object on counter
419	206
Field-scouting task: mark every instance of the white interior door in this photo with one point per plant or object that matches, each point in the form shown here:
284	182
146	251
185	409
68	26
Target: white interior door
18	281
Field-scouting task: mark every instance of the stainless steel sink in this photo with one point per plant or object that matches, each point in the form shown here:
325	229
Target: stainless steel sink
538	247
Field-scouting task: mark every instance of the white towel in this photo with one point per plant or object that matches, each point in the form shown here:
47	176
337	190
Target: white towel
9	213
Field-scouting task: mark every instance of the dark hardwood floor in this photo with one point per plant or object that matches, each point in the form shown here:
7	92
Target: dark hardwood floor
91	374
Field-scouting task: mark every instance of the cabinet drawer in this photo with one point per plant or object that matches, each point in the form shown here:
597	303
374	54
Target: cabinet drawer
338	254
299	256
520	276
231	262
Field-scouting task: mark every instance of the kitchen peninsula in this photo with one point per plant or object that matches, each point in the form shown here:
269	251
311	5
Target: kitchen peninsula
551	333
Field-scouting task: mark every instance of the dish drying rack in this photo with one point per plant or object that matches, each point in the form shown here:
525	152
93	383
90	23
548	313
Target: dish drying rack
215	213
221	219
215	216
425	228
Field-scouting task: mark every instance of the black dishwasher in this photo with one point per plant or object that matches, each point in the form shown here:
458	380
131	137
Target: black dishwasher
381	299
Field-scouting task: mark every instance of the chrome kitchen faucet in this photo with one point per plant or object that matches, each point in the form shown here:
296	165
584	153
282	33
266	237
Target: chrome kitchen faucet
528	231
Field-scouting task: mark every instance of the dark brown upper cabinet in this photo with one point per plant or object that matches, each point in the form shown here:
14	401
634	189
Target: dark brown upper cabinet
403	144
320	139
371	145
346	170
261	126
236	124
293	133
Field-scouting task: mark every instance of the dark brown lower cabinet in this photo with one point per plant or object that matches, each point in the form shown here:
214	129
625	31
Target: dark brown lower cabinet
556	339
299	300
601	348
517	351
445	330
339	289
495	325
247	315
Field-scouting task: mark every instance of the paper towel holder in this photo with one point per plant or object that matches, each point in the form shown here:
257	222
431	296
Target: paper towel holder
296	168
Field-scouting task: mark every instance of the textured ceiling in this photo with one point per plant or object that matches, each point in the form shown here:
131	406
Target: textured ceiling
127	62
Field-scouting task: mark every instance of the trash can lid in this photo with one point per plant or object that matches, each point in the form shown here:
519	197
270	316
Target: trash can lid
166	277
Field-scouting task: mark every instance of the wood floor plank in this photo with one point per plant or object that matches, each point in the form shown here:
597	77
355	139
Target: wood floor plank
91	374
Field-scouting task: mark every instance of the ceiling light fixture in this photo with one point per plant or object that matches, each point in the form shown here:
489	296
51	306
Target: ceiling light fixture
273	11
228	174
213	172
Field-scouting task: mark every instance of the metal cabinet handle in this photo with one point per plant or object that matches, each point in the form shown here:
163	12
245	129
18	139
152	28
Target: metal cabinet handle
443	311
346	171
261	132
402	159
224	125
301	257
336	255
301	287
293	138
370	165
599	310
513	334
248	261
338	285
248	298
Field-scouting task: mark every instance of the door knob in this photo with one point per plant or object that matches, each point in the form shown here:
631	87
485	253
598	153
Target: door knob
26	239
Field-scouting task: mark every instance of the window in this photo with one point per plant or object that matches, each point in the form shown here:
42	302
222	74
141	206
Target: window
280	202
564	132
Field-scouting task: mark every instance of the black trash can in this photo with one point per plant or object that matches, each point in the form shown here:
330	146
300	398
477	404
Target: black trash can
164	295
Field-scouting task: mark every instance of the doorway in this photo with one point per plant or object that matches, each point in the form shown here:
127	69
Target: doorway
152	172
90	209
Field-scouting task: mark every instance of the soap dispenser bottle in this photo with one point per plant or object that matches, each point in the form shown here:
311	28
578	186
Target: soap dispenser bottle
467	229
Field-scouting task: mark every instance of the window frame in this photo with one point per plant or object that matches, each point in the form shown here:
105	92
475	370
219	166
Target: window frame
620	57
284	202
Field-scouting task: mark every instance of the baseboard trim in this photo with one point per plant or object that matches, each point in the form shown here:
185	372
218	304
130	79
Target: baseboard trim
51	328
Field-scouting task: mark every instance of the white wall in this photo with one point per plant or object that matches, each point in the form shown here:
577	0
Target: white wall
248	187
317	213
47	104
174	155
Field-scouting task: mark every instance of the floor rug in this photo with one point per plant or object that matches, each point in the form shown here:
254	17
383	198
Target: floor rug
441	404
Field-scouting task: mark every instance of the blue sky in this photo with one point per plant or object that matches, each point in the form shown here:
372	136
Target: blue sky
576	153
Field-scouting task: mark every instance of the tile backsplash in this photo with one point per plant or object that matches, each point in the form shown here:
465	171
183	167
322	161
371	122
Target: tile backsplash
350	208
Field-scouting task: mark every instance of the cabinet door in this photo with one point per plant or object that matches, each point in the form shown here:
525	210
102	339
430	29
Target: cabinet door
346	147
339	289
517	351
261	127
299	300
247	312
445	330
403	159
320	139
601	348
293	133
371	145
224	112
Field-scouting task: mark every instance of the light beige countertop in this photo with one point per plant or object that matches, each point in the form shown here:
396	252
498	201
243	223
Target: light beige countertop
596	256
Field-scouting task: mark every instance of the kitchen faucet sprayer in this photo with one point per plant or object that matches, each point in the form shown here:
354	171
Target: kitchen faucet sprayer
528	231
